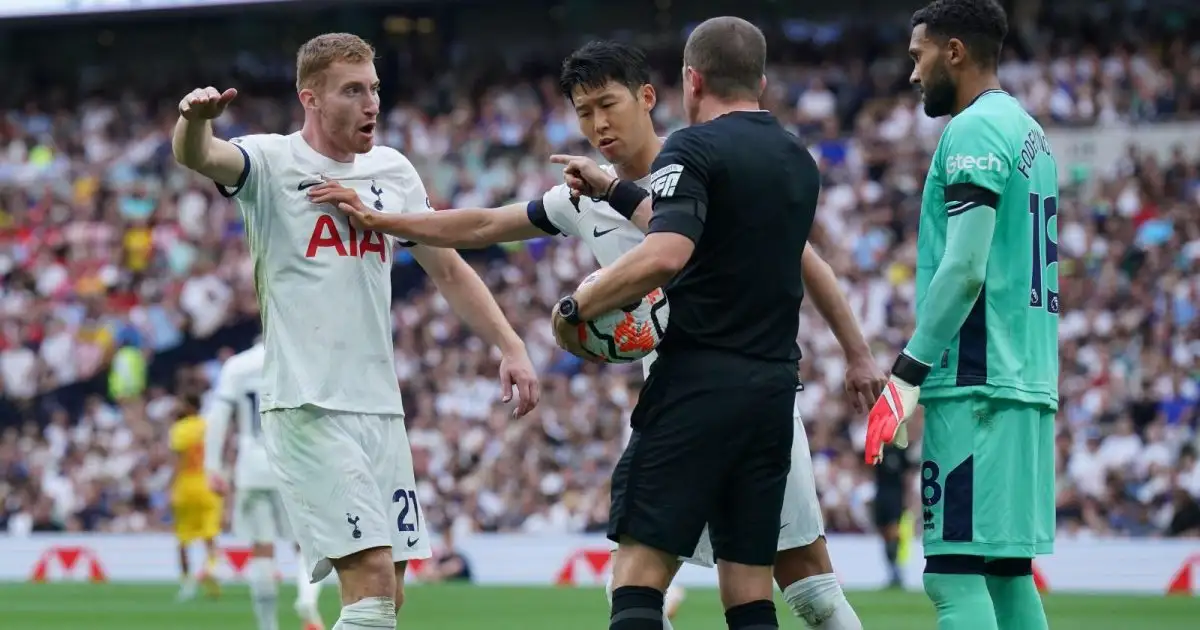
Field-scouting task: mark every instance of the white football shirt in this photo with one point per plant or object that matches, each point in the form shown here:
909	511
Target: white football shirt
324	288
236	394
607	234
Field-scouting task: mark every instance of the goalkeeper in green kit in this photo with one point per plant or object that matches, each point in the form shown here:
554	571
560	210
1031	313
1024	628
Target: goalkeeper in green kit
983	359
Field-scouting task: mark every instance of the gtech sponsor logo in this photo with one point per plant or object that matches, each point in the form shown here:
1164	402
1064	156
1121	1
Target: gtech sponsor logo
989	162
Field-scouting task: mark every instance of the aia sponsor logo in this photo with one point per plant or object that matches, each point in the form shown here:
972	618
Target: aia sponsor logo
328	239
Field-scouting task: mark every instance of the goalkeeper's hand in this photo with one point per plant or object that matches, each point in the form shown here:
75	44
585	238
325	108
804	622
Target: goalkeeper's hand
893	408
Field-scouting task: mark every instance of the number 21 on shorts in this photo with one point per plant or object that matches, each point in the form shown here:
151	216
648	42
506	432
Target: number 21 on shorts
408	503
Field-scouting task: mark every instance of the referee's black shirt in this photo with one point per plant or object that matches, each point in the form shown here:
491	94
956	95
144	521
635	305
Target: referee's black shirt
744	190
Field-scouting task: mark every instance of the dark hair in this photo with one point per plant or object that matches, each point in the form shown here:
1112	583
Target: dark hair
981	25
601	61
731	54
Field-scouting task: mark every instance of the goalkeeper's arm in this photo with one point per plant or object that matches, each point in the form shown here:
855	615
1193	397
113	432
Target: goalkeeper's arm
955	286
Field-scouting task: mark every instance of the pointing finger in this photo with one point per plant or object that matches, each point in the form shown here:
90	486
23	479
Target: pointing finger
228	95
559	158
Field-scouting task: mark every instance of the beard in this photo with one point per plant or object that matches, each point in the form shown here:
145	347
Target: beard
938	92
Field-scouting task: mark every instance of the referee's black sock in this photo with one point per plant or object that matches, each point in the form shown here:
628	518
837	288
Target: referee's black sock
636	608
758	615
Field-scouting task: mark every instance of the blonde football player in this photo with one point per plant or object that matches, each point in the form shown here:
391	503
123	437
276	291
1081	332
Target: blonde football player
333	417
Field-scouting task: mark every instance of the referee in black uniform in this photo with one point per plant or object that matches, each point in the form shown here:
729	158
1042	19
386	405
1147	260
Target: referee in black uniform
733	198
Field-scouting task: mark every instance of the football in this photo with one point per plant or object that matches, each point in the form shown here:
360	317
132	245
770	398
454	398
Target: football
627	334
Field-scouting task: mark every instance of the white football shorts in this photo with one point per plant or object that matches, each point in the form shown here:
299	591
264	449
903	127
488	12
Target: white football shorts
258	516
800	520
347	484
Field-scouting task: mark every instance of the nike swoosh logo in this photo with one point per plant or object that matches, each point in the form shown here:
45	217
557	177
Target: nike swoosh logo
413	542
597	233
309	183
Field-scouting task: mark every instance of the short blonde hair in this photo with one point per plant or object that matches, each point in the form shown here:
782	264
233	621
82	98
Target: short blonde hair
322	51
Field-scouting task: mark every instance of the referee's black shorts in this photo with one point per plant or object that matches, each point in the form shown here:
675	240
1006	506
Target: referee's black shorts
711	444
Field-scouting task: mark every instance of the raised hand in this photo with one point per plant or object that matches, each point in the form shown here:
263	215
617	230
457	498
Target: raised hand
206	103
584	175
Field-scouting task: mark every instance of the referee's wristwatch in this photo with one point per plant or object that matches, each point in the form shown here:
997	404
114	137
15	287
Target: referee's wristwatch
568	309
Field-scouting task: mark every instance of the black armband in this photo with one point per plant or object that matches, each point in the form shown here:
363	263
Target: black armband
910	370
625	196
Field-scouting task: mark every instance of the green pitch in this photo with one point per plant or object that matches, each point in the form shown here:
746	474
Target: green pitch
112	607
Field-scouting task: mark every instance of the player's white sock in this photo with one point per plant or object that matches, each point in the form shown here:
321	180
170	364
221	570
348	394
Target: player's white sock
820	603
372	612
666	621
308	594
264	593
187	588
672	601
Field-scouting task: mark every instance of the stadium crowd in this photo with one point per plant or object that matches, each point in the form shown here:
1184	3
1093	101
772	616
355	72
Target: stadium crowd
112	256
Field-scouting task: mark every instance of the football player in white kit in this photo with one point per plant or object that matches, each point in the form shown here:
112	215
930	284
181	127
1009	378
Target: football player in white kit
333	419
258	515
609	85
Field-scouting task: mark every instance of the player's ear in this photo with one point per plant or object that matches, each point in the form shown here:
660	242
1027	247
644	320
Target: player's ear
692	81
649	96
308	98
762	85
956	51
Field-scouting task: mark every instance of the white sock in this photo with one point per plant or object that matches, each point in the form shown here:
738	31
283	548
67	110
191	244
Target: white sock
820	603
264	593
608	589
372	612
308	594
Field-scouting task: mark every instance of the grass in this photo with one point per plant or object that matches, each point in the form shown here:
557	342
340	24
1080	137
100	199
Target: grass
444	607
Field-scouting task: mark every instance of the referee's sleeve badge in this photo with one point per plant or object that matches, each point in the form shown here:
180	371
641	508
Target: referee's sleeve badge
664	180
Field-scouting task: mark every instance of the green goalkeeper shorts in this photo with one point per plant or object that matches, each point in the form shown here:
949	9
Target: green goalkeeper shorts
987	478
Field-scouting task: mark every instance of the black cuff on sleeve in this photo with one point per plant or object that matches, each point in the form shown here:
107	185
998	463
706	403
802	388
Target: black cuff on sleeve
625	197
910	370
536	211
229	193
678	215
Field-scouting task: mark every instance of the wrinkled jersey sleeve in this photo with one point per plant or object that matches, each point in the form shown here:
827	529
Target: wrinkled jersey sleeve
253	149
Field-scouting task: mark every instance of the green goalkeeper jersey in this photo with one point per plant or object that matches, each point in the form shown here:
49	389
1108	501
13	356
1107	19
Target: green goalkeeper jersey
994	154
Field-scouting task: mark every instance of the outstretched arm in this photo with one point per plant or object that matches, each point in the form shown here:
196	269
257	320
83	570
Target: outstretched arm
193	144
464	228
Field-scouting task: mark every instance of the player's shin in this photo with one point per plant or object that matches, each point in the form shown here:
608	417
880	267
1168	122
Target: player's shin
1015	596
671	601
264	592
756	615
818	601
891	551
187	584
371	612
308	595
637	608
959	593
